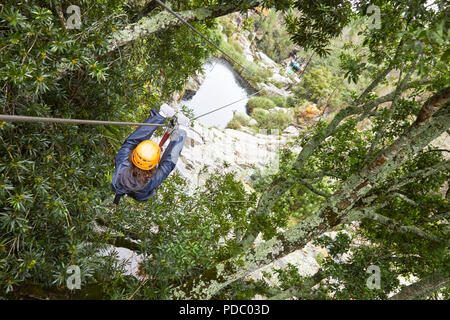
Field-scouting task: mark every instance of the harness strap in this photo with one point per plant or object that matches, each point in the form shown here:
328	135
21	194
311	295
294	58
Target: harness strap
164	139
168	132
117	198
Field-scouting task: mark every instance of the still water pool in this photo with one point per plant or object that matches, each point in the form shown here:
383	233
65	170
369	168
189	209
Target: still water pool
222	85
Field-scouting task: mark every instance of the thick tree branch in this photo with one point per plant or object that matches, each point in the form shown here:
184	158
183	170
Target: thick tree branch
370	213
424	287
330	215
279	187
164	20
433	104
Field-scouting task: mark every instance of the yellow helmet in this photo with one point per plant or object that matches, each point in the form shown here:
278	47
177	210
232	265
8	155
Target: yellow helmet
146	155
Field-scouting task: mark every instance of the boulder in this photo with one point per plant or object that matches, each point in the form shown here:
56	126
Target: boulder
273	90
279	78
246	47
193	85
242	115
265	59
291	130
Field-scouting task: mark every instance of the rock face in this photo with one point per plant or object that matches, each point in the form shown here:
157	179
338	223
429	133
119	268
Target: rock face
242	39
279	78
229	150
271	89
193	85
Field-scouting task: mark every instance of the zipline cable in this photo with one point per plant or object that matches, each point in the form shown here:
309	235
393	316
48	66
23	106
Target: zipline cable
14	118
202	115
215	46
199	33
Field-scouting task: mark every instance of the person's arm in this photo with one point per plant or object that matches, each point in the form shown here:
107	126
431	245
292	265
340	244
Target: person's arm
168	160
141	134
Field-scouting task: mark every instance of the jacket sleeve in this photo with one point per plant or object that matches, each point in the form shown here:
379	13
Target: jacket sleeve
168	160
141	134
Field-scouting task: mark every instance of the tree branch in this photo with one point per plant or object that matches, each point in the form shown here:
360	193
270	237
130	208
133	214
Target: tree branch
423	288
370	213
302	291
404	198
331	214
279	187
311	187
164	20
433	104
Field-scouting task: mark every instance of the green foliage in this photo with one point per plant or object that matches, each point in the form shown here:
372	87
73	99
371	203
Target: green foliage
318	22
328	72
228	27
283	102
276	41
238	121
344	153
236	46
279	101
253	72
261	103
299	201
234	124
350	277
55	178
278	120
320	86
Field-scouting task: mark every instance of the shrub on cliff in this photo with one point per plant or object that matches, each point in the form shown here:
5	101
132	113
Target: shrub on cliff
279	120
238	121
280	101
261	103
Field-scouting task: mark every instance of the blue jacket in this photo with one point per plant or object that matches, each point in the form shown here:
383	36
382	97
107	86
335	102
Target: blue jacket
166	165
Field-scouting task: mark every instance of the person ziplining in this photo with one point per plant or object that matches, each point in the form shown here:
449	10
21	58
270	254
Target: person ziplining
140	168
